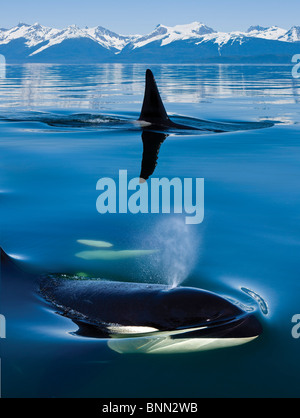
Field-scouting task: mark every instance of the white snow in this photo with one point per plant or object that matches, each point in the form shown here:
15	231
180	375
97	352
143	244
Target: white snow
221	38
293	35
167	34
110	39
273	33
34	34
71	32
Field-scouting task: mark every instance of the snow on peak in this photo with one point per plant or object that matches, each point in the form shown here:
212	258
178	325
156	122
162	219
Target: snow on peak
183	32
222	38
72	31
58	36
34	34
273	33
293	35
168	34
109	39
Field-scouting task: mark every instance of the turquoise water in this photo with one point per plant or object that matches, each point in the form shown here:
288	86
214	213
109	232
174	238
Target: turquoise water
64	127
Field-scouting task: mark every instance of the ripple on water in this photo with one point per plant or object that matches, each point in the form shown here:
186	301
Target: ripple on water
129	122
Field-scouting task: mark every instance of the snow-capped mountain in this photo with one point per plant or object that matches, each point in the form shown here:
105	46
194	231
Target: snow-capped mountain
293	35
100	35
194	42
33	34
109	39
273	33
37	34
167	34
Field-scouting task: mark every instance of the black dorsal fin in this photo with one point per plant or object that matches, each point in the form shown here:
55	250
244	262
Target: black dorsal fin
153	110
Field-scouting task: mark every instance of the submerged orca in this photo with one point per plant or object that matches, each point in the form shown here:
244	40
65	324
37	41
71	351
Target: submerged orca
149	318
138	317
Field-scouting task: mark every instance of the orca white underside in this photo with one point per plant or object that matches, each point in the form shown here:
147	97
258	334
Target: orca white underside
167	345
126	340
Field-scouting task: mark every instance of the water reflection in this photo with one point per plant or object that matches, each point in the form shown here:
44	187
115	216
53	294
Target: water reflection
152	142
104	85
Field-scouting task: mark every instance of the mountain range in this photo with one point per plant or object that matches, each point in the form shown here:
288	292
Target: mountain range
191	43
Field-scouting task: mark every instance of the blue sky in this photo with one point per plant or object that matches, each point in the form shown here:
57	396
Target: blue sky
139	16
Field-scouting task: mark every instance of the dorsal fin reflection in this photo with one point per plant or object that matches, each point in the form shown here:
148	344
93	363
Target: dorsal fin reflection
152	142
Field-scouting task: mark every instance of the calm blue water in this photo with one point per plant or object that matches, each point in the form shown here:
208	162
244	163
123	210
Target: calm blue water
64	127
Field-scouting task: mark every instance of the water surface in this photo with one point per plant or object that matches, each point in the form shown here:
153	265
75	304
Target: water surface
64	127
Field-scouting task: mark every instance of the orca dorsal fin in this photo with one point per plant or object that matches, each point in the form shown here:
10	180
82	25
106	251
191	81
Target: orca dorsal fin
153	109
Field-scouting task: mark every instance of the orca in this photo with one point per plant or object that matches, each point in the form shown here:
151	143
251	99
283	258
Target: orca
149	318
135	317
